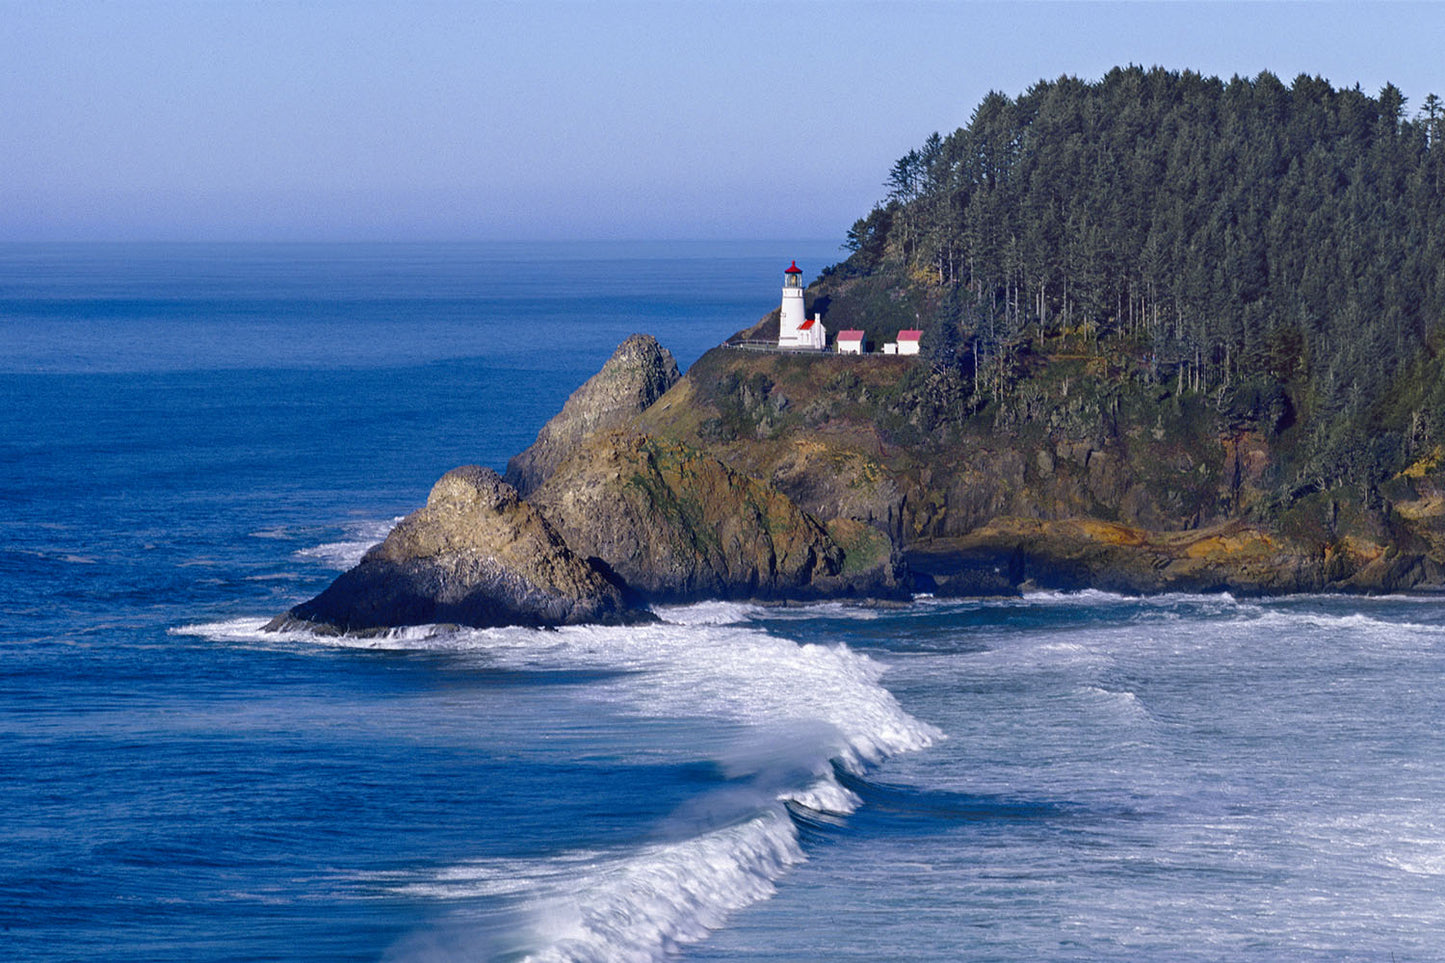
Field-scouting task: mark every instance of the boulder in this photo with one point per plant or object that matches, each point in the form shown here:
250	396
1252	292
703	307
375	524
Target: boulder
475	555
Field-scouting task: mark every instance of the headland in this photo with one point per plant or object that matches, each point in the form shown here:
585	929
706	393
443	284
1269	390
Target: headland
1157	333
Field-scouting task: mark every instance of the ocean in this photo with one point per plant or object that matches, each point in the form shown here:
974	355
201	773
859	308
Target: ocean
198	436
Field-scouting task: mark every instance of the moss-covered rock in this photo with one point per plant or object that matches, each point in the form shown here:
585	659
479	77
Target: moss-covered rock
677	524
1082	452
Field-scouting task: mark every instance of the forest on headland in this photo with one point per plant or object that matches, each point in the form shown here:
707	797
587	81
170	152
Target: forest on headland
1269	256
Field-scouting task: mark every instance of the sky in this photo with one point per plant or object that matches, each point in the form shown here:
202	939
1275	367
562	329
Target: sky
227	120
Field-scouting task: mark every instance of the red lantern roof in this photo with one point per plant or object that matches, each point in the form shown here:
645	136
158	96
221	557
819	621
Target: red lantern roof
794	269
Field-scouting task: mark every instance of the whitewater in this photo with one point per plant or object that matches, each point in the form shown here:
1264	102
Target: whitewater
781	719
1181	777
1061	776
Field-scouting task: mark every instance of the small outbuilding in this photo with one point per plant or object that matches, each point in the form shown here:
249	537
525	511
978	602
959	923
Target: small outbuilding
850	342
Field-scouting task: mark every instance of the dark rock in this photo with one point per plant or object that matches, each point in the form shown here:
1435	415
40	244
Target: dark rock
1076	554
815	490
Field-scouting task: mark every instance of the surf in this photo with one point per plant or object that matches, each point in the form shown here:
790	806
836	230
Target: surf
775	719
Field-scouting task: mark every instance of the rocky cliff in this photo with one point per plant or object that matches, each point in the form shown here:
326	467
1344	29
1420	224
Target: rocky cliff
616	519
476	555
1087	482
677	524
636	375
794	477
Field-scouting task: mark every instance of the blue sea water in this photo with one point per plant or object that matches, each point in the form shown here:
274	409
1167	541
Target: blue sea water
196	437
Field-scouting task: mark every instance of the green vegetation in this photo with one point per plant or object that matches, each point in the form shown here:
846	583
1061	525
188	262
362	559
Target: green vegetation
1163	249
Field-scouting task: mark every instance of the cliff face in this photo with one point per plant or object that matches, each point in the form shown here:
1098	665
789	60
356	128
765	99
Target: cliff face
636	375
475	555
677	524
619	519
1085	483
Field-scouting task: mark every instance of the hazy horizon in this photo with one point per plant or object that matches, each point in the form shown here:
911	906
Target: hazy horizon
447	121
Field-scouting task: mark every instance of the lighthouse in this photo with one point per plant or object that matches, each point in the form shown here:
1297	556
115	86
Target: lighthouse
796	331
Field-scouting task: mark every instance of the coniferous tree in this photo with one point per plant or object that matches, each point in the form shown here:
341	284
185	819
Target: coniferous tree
1283	241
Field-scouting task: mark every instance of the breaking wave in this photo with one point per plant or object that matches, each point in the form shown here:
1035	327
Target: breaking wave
602	906
810	709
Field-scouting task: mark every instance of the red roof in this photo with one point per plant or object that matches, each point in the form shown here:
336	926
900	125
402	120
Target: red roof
806	324
794	269
850	335
910	335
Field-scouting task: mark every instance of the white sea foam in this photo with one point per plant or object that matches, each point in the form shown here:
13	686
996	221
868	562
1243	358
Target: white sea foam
852	611
231	630
1418	857
792	712
1355	620
346	552
1082	597
708	613
737	613
1121	703
826	795
735	672
738	673
1165	604
251	630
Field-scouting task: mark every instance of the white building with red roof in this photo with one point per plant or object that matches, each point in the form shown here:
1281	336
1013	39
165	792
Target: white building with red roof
907	342
850	342
797	331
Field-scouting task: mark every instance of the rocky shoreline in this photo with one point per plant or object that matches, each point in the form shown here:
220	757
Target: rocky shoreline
769	479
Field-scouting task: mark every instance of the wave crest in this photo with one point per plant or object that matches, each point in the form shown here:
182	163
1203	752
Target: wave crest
641	905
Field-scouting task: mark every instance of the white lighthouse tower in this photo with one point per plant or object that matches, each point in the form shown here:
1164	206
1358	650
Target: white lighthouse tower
795	329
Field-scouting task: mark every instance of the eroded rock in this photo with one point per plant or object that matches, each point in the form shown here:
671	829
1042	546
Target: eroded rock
475	555
637	374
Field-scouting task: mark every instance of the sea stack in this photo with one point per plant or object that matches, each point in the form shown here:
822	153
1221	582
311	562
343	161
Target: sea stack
475	555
